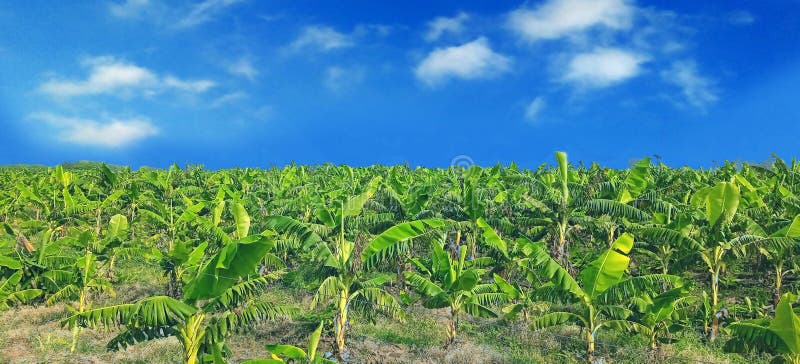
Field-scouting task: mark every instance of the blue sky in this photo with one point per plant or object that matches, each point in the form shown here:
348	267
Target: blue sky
229	83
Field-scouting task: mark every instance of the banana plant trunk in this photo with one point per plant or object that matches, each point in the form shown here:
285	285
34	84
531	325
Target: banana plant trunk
402	267
560	249
77	329
452	324
173	288
341	324
654	352
712	336
778	283
81	301
191	336
590	341
110	272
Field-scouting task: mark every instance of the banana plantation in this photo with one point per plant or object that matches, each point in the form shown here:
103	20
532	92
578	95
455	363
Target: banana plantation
323	264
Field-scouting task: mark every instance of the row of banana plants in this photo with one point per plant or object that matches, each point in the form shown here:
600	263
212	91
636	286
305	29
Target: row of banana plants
714	258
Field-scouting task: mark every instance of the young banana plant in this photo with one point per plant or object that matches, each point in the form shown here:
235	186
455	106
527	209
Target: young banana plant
659	316
11	293
778	248
454	284
600	291
779	336
521	301
82	278
281	353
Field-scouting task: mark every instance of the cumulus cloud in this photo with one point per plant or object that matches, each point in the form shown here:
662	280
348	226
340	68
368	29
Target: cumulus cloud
320	38
535	108
107	75
697	90
204	12
554	19
469	61
603	67
442	25
111	75
109	133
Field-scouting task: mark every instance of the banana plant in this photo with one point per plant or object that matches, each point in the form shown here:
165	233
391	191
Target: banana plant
412	202
660	316
280	353
454	284
176	260
348	287
521	300
556	207
618	200
394	243
82	279
720	203
778	248
219	300
11	293
779	336
599	292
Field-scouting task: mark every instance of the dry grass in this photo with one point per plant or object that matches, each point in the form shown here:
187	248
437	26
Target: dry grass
34	335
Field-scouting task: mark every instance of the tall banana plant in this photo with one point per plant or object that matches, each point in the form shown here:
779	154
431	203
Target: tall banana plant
556	207
219	300
348	287
720	203
617	202
600	292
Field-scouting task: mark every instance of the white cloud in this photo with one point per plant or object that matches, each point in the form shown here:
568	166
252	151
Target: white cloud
111	133
204	12
321	38
697	90
555	19
228	98
188	85
243	68
473	60
741	17
535	108
107	75
603	67
111	75
129	8
442	25
338	79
